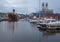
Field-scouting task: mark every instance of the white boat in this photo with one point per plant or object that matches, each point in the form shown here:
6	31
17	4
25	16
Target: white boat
49	23
33	20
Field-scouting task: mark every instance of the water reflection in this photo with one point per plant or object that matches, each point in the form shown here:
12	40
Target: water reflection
23	31
9	26
50	33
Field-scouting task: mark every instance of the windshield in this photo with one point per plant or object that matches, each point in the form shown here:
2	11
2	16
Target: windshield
53	21
48	21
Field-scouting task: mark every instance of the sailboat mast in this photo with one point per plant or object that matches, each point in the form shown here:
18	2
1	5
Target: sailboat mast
39	4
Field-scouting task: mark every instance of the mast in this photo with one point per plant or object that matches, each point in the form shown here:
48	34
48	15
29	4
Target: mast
39	8
39	5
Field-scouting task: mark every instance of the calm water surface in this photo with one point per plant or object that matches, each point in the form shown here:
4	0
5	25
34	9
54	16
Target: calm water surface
23	31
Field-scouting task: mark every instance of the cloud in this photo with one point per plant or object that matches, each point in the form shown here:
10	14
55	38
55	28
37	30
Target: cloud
22	6
10	1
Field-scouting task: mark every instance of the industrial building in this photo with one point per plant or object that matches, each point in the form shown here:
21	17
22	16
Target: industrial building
45	12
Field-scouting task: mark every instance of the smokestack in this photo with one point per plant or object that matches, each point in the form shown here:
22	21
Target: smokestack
46	5
43	4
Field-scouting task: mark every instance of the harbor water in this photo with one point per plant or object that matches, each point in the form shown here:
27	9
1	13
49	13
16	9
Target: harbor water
24	31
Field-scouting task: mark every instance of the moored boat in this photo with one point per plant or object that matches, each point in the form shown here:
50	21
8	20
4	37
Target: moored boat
49	23
33	20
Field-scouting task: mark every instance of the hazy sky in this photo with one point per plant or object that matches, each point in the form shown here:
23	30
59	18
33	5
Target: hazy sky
27	6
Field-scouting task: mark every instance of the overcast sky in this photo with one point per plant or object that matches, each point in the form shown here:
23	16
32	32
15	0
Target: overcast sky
27	6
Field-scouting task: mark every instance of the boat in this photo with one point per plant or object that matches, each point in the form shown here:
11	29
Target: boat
49	23
33	20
